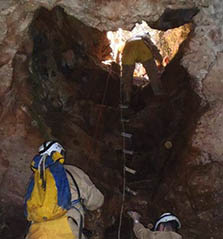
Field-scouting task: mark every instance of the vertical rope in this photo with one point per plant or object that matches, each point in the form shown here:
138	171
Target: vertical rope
91	146
124	163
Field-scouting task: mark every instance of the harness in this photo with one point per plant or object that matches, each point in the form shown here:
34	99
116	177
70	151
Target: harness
74	203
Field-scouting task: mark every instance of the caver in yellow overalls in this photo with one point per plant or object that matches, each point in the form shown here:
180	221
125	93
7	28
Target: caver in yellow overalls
67	227
140	49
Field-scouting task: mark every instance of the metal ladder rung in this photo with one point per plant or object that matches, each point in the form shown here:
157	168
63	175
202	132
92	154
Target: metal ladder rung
125	151
124	106
127	189
127	135
129	170
125	120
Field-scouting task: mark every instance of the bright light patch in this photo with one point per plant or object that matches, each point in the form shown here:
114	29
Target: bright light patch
167	42
117	42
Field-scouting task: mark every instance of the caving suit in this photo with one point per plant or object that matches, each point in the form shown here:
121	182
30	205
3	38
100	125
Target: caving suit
145	233
67	227
140	49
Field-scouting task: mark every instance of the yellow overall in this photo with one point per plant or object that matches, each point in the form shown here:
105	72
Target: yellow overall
136	51
53	229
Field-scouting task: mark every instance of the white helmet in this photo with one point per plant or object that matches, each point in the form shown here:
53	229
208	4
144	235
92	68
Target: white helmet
167	217
51	146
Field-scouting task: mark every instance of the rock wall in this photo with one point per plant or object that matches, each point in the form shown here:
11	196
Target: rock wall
205	44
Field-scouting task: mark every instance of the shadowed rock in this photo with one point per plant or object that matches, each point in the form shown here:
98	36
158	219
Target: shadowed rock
172	18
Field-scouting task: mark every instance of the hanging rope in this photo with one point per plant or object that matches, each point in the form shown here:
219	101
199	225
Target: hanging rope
100	113
124	164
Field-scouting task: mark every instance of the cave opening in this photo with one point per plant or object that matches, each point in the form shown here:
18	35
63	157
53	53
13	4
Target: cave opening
75	99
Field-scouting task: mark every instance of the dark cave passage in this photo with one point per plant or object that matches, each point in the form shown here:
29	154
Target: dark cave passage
76	101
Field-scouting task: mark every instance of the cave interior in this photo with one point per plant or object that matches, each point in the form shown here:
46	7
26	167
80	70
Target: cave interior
75	99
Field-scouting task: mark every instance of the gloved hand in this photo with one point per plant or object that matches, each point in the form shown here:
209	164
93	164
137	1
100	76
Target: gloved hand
134	215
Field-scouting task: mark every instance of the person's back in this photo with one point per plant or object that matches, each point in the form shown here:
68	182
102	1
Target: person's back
91	197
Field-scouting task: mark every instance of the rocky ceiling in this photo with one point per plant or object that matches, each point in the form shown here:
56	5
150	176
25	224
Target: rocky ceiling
53	85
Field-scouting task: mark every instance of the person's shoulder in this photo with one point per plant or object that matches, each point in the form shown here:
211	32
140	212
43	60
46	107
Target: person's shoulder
176	235
73	168
69	166
167	235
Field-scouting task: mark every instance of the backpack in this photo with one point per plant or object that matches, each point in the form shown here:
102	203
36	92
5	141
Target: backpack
48	195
